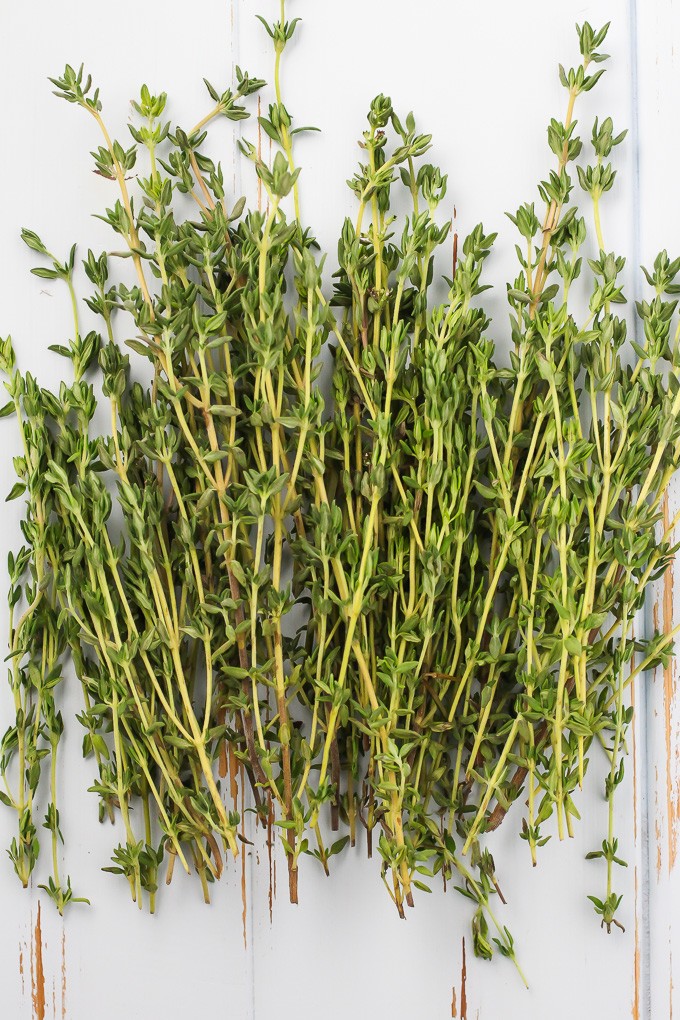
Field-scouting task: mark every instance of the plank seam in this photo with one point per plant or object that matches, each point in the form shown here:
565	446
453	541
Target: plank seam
642	700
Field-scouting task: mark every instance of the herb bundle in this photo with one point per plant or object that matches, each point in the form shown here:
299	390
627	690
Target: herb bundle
465	544
172	607
505	516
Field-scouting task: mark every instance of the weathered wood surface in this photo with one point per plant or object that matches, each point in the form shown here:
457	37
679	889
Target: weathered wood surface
658	100
481	77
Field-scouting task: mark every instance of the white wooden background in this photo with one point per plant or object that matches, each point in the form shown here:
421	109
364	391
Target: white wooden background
481	77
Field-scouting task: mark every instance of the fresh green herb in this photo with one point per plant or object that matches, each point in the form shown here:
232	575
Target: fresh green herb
466	545
502	519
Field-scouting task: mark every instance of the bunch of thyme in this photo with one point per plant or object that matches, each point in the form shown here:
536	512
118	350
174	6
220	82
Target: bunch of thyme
469	543
172	594
584	437
408	449
504	517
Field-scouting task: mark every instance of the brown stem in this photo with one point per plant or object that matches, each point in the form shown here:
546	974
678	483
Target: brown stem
335	779
199	178
292	879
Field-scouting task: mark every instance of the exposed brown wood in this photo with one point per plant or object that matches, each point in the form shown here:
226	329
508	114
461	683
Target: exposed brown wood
669	690
270	854
635	1011
244	890
463	986
37	971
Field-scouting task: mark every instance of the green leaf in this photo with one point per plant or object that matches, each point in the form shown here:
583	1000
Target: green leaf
17	489
45	274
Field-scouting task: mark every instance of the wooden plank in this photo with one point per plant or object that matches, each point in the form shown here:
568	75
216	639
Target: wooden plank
483	79
110	959
658	98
